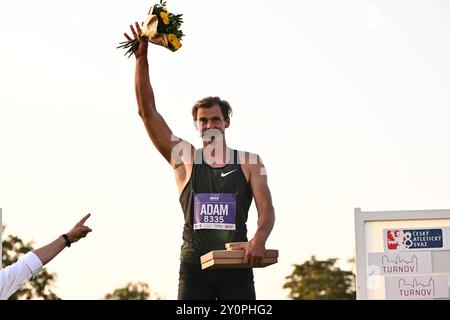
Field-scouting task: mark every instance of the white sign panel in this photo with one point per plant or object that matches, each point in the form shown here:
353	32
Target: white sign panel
407	239
399	263
417	287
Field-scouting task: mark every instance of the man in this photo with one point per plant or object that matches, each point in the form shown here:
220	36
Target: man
216	185
15	275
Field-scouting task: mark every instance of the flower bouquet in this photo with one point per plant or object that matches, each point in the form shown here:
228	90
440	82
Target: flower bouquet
160	27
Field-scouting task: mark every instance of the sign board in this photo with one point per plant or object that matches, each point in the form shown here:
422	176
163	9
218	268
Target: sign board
399	263
415	239
417	287
402	254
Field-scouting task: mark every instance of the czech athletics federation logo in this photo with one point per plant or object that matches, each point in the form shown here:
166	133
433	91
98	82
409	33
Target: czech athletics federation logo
410	239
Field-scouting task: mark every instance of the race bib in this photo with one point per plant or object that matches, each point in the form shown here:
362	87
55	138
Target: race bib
215	211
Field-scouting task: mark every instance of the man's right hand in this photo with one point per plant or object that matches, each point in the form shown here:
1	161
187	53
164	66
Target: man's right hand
141	51
79	230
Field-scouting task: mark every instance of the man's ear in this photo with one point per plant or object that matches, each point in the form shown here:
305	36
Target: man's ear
227	123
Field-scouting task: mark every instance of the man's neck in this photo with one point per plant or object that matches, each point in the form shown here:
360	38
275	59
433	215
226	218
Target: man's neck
216	154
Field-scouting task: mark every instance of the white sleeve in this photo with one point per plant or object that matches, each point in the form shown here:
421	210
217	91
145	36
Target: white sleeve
15	275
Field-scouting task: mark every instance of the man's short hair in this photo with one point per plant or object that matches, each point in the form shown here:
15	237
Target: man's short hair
209	102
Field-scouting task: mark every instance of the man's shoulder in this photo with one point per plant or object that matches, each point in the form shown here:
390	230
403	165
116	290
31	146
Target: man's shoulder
248	158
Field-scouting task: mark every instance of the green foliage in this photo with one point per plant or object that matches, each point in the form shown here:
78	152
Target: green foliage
320	280
175	21
172	26
38	288
134	291
130	45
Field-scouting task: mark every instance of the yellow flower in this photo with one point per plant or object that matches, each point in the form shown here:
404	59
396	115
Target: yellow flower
174	41
165	17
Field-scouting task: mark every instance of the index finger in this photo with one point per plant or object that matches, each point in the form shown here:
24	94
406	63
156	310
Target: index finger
127	36
82	221
238	247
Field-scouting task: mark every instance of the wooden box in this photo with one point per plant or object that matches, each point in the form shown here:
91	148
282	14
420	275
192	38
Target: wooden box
234	259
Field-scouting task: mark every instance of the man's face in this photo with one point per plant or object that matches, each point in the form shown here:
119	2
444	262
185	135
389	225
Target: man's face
209	120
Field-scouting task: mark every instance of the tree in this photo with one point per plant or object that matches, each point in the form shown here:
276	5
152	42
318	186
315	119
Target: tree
134	291
316	279
38	288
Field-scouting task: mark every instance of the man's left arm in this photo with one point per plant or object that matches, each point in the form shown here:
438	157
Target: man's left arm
15	275
266	213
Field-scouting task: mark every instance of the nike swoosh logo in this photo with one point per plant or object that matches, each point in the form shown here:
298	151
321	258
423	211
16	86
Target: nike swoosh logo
225	174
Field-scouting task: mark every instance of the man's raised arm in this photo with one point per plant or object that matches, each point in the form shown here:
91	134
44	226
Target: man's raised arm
157	128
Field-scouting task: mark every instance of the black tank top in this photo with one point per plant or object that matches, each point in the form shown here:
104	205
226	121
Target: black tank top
205	179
